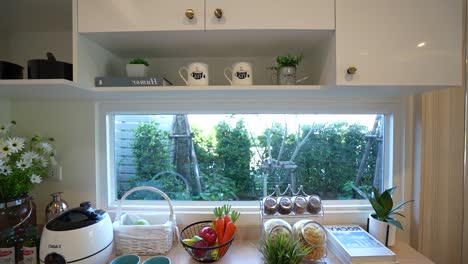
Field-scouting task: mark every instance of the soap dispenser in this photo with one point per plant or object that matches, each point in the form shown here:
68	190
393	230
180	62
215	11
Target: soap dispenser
56	207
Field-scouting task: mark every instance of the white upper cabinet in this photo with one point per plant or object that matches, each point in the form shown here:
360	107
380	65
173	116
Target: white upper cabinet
140	15
267	14
399	42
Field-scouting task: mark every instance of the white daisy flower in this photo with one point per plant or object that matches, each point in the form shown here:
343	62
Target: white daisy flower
16	144
2	162
5	170
45	147
23	164
4	128
53	161
35	178
44	162
30	156
5	150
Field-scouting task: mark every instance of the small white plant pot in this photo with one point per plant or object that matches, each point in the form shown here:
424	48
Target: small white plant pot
382	231
137	70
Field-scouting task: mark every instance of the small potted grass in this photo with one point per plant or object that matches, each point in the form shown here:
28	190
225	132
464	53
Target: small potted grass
137	67
282	249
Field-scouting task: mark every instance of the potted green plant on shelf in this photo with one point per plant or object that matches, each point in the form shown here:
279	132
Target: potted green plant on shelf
382	224
137	67
283	249
285	69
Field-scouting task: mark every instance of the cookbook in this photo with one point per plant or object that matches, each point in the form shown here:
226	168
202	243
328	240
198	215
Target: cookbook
352	244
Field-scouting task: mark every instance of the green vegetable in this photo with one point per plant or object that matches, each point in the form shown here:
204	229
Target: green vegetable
383	205
282	249
139	61
142	222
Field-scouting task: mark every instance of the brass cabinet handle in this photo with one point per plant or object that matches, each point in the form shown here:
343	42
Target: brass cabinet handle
189	13
351	70
218	13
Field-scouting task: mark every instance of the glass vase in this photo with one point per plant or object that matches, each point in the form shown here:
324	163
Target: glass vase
16	216
16	212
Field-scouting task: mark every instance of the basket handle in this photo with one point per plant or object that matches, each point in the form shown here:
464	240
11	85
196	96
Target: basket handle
146	188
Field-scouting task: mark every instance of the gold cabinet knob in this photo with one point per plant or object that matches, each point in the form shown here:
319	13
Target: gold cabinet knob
189	13
351	70
218	13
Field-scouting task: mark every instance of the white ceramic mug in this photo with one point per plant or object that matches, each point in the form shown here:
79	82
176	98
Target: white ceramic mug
241	73
197	74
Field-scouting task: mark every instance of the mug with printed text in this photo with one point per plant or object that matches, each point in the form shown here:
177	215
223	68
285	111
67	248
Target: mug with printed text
241	73
197	74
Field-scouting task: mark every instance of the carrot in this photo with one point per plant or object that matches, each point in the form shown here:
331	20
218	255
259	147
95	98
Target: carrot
219	224
227	218
229	231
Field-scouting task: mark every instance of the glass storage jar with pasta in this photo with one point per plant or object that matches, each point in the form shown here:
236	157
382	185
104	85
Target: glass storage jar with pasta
312	234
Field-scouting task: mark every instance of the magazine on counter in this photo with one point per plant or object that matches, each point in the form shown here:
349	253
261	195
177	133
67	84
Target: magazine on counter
352	244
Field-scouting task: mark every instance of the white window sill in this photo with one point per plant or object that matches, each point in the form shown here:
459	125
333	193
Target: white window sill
335	212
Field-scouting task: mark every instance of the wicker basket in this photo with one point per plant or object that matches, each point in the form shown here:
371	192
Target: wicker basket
155	239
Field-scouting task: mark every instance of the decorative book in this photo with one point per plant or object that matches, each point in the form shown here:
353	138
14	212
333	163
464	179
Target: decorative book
131	81
352	245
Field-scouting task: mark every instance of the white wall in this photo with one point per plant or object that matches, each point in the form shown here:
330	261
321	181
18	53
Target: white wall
3	48
71	124
4	110
24	46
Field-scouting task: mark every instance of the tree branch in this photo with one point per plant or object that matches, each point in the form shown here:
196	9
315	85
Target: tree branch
285	134
299	146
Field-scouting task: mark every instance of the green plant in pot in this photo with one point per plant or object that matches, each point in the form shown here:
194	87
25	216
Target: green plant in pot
283	249
286	67
137	67
382	224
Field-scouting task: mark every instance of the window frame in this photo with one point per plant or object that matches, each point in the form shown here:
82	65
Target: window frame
336	211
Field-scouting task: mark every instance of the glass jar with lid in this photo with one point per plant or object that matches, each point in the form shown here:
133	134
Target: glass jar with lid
314	204
285	203
270	203
299	201
274	227
314	235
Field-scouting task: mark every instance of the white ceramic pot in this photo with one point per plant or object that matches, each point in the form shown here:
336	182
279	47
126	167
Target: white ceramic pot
382	231
137	70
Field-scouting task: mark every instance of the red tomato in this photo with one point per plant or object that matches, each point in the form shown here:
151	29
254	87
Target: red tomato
209	235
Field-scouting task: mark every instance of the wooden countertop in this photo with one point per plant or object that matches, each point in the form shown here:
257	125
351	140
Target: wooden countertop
246	252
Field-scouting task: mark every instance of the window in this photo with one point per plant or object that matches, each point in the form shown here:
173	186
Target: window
333	123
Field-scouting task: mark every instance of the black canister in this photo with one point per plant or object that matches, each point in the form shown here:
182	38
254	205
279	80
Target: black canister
49	69
10	70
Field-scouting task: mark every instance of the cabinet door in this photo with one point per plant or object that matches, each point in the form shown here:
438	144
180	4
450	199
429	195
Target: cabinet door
139	15
399	42
267	14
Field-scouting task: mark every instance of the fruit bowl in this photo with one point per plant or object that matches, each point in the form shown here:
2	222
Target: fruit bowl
203	254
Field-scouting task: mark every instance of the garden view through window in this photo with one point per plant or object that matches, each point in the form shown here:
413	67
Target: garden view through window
216	157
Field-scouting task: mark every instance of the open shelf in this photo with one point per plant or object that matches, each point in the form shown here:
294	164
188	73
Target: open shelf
29	29
43	88
216	43
65	89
